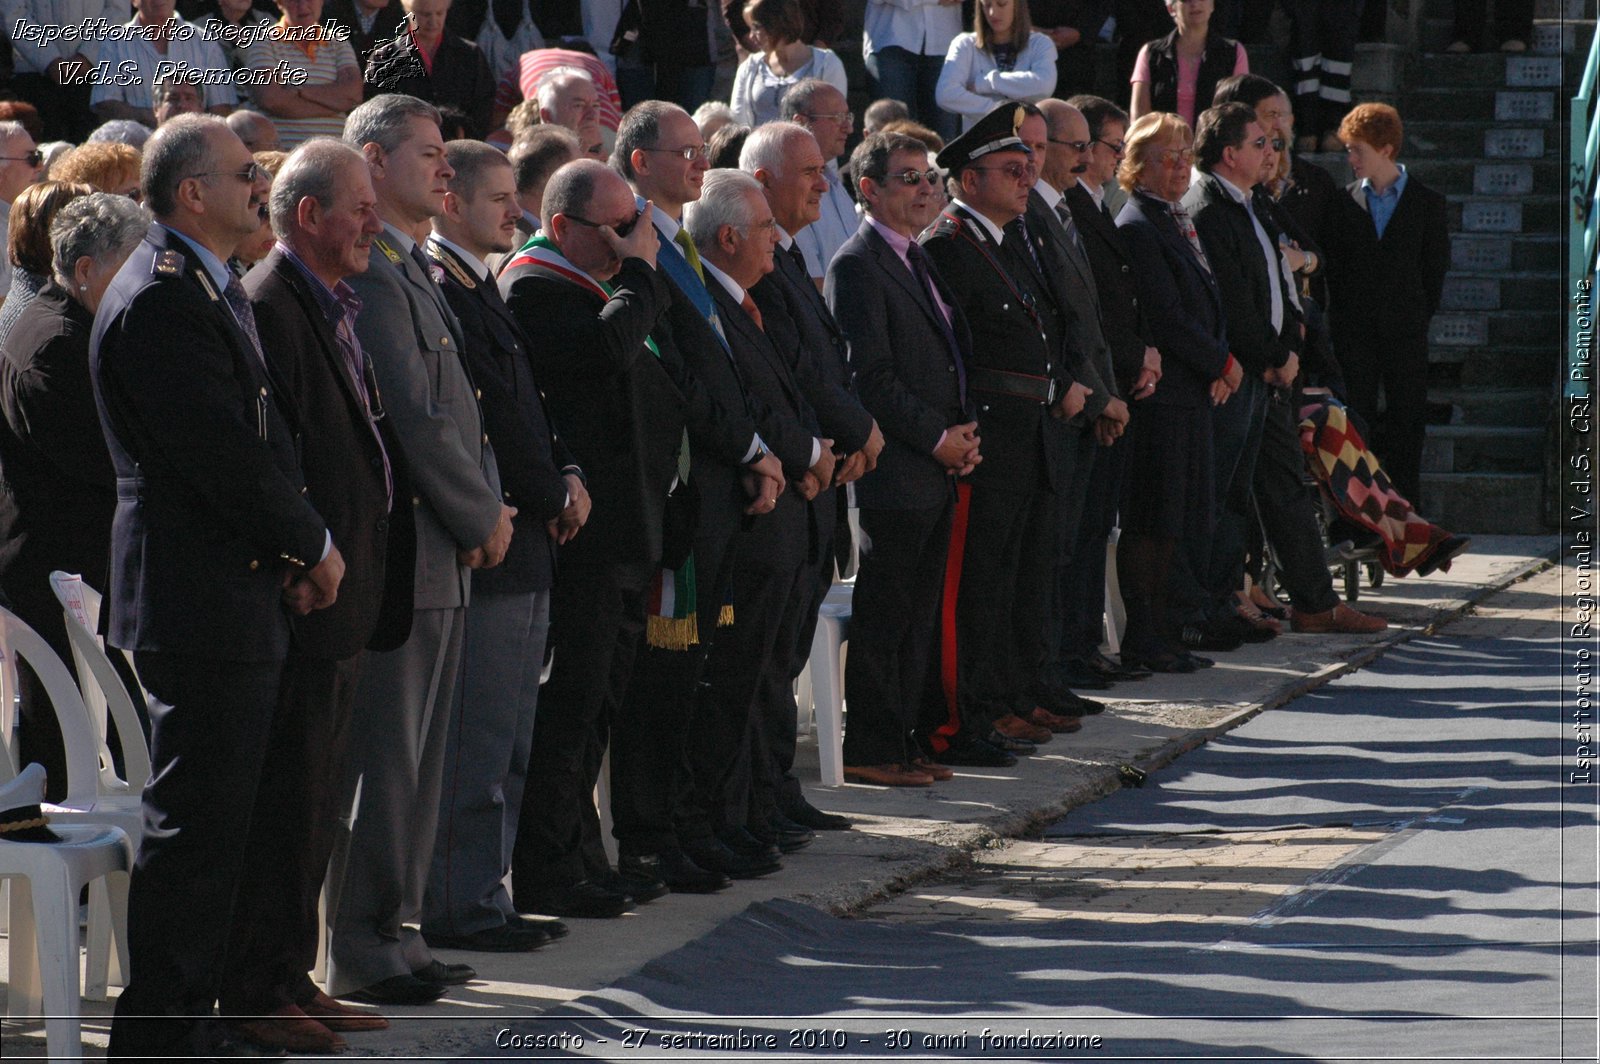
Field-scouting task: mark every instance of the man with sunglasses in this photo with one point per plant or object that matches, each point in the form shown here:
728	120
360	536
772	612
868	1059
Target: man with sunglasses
20	160
213	545
1003	545
1264	335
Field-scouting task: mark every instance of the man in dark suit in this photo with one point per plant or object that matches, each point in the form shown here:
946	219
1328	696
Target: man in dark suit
730	748
1263	327
908	344
379	870
981	247
491	731
1057	155
300	300
786	159
210	536
589	299
1388	255
660	152
1136	365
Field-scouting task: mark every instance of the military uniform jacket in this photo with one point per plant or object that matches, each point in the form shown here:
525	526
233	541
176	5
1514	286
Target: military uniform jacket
529	453
415	344
1006	315
209	504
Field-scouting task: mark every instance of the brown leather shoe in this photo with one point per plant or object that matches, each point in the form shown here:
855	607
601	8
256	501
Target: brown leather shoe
1014	727
1057	724
1339	619
887	775
290	1028
335	1015
940	773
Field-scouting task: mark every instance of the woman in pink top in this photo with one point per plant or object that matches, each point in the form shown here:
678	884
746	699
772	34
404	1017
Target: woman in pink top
1178	73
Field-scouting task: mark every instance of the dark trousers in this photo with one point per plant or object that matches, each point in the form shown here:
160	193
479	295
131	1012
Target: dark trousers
1513	21
722	740
1084	582
650	775
597	622
893	625
1236	439
209	726
1076	468
1286	511
1323	47
1399	366
911	78
274	939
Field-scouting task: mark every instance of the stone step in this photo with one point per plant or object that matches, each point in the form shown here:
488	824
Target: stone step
1498	214
1484	503
1480	328
1484	103
1468	291
1471	139
1435	33
1568	10
1521	407
1379	68
1473	449
1494	69
1520	177
1452	368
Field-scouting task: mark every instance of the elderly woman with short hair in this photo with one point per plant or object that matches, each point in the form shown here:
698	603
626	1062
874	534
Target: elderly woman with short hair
28	244
1168	496
59	489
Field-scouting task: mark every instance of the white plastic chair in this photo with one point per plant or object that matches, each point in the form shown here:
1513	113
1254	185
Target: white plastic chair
85	803
45	879
1116	614
821	686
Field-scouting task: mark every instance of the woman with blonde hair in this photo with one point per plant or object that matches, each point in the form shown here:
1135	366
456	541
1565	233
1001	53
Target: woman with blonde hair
1002	59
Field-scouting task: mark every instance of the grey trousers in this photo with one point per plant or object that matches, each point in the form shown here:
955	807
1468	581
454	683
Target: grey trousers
486	762
391	790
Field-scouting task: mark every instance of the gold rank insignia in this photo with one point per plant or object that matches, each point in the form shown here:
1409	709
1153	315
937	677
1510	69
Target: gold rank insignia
168	263
388	252
454	268
209	285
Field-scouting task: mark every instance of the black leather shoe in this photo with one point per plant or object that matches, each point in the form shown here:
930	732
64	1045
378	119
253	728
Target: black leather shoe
675	869
809	816
446	974
712	855
788	835
1010	745
745	844
1197	661
1078	674
1111	670
1196	637
546	925
974	753
398	990
636	881
507	938
1159	661
582	899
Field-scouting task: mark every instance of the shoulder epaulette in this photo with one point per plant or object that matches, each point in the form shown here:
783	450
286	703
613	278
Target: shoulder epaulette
167	263
451	266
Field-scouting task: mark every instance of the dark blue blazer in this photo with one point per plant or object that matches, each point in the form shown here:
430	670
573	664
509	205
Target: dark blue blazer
906	374
209	504
1182	305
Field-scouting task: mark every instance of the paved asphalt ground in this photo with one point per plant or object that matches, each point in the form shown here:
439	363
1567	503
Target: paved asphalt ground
1386	866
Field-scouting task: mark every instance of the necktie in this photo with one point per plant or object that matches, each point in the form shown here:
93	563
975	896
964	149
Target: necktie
360	370
239	303
1021	225
798	257
1065	214
686	242
1186	226
422	261
1107	212
751	309
919	266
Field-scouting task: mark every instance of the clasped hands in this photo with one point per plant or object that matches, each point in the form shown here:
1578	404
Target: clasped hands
493	551
315	588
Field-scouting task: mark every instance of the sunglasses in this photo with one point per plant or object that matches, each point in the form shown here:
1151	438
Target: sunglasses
1278	143
914	177
1015	171
33	158
621	230
249	174
1075	145
1117	146
688	153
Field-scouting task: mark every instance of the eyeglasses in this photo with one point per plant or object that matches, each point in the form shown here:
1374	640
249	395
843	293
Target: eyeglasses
1075	145
844	118
249	174
913	177
621	230
1015	171
1117	146
1259	143
33	158
689	152
744	230
1278	143
1174	156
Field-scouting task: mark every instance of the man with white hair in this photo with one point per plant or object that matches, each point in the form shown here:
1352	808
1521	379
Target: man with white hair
823	109
20	161
567	97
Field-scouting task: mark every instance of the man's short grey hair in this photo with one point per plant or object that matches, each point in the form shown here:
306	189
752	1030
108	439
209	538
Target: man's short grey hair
101	225
724	200
313	169
9	129
571	189
769	146
881	112
798	99
639	128
555	81
386	121
471	160
168	79
121	131
178	150
711	111
541	152
252	126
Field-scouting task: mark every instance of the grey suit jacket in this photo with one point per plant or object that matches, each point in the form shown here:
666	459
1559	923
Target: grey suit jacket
1077	286
414	341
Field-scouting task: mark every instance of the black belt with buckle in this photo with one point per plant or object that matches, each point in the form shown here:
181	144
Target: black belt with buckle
1015	385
